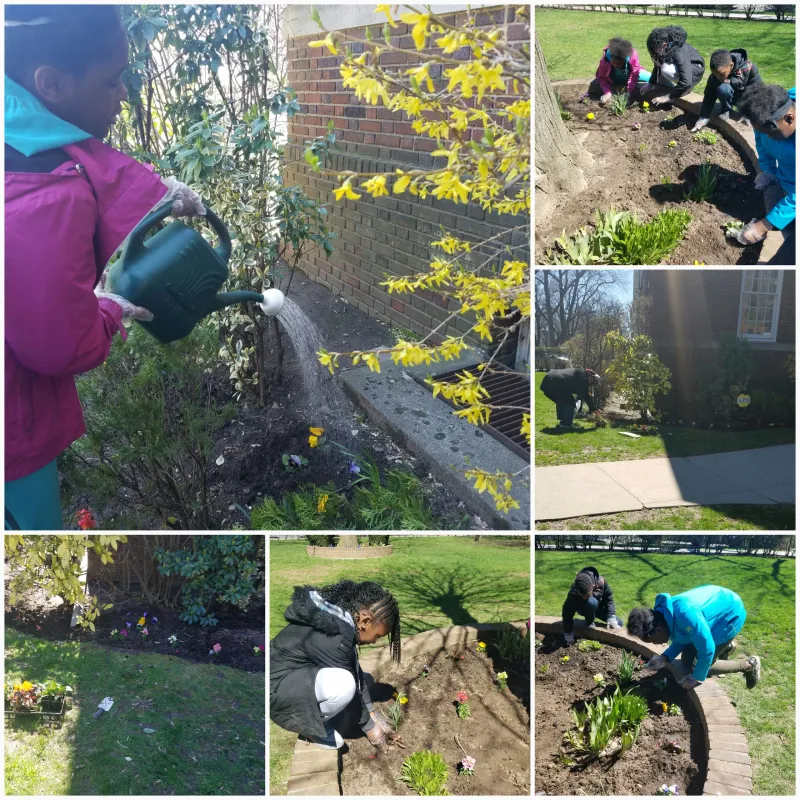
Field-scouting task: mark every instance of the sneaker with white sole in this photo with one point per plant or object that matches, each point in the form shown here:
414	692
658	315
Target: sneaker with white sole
753	675
728	650
332	741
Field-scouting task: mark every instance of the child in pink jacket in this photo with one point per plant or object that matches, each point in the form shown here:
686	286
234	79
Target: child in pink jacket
70	202
618	71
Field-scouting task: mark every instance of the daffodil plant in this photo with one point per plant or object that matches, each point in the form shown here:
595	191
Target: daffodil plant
448	97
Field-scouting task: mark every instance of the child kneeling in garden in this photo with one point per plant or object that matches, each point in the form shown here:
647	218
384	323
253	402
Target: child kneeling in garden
591	597
618	71
677	66
772	111
314	670
731	74
701	624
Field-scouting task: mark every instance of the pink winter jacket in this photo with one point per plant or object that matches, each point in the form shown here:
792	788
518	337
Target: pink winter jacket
62	227
604	72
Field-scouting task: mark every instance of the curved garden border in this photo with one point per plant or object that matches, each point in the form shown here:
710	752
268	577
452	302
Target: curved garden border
377	551
741	136
316	772
728	772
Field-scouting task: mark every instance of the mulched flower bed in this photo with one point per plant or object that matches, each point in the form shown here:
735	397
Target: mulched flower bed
496	734
648	764
627	180
237	632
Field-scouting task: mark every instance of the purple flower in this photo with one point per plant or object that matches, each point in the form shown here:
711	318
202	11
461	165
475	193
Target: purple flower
124	633
295	461
353	468
128	614
145	615
128	624
155	619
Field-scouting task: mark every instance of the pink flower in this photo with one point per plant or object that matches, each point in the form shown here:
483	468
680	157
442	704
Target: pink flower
144	632
462	697
217	647
261	648
124	633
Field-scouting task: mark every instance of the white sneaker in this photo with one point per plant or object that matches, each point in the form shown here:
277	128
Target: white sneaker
332	740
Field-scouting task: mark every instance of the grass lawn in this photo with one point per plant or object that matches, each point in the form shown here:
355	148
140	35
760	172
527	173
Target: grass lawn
573	41
208	721
766	585
441	581
590	445
684	518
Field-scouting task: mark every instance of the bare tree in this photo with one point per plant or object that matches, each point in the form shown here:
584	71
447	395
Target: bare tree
639	315
564	296
781	11
749	11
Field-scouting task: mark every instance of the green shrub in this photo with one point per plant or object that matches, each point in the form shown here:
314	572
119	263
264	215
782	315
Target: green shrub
218	569
322	540
151	419
566	115
511	645
728	377
397	503
378	541
585	645
426	773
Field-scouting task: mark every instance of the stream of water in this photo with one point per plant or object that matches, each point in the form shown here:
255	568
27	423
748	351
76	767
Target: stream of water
322	388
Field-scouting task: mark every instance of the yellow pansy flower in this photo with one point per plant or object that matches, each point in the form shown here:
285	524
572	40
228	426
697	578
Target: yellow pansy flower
313	440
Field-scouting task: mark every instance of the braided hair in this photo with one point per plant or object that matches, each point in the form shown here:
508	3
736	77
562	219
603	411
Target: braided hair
69	37
353	597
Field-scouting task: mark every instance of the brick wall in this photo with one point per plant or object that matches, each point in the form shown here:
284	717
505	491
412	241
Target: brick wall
692	309
388	234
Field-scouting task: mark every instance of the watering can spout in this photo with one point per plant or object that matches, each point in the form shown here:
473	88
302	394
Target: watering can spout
225	299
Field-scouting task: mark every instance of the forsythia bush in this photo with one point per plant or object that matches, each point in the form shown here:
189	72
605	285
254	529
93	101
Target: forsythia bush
490	91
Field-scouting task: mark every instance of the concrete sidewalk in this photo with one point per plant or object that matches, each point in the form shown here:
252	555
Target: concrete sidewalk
763	476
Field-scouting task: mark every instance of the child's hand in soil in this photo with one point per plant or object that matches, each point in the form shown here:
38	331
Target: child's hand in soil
396	739
377	738
380	722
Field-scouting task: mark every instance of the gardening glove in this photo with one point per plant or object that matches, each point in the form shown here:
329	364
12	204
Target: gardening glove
569	638
699	125
377	738
613	625
380	722
655	663
606	98
689	682
185	201
660	101
755	231
764	179
129	310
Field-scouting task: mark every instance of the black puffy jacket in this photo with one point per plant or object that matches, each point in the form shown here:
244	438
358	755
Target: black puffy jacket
743	74
313	639
689	64
563	385
601	592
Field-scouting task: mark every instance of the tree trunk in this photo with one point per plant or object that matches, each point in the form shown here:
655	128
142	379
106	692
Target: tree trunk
558	156
348	540
548	310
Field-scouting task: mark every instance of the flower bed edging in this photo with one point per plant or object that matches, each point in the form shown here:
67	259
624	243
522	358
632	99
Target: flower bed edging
316	772
743	137
728	771
378	551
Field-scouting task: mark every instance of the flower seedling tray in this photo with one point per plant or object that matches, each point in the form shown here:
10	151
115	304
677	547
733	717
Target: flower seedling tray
48	717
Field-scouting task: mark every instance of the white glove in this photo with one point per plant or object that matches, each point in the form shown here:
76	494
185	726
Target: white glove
185	201
689	682
655	663
749	235
660	101
764	179
129	310
569	638
606	98
613	625
699	125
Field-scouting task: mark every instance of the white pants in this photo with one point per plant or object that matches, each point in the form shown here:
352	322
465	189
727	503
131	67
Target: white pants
334	689
667	75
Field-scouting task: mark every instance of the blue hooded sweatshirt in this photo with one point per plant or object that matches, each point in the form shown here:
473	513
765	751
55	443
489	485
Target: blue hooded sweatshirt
706	617
777	157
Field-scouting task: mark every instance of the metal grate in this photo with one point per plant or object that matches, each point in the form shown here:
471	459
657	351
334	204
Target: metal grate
505	388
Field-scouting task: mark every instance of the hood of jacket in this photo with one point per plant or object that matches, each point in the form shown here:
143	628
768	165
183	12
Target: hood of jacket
664	606
304	611
739	56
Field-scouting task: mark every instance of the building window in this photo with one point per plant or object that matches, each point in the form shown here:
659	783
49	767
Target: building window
760	303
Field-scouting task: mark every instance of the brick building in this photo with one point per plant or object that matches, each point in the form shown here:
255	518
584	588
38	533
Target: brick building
693	309
389	234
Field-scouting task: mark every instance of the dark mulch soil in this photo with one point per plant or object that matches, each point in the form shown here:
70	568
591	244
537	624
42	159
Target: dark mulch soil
496	734
253	443
238	632
621	177
643	768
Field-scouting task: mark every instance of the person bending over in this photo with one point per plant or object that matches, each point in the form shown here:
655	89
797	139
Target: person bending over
562	385
677	66
591	597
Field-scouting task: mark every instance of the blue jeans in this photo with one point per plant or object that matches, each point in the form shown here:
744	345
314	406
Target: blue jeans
591	609
565	413
35	501
689	654
725	96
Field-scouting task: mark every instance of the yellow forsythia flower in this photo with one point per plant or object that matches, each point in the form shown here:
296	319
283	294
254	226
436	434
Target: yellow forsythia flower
321	503
386	9
376	186
346	189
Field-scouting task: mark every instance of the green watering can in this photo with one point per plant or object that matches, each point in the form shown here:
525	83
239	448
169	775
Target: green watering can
176	275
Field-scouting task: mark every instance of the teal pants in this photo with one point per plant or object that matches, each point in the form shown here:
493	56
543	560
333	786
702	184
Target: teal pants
33	503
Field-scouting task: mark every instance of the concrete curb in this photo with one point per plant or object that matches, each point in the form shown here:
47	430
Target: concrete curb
739	135
315	772
728	771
